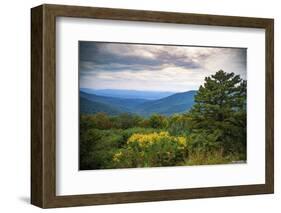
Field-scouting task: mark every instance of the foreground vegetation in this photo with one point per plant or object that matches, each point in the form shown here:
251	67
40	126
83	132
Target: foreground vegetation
212	132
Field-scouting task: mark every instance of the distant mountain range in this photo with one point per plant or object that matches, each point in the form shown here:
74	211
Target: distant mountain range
91	103
117	93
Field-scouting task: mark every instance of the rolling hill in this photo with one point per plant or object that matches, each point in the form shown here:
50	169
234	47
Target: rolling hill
176	103
119	104
92	107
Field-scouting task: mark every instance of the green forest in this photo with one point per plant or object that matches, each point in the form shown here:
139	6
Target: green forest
211	131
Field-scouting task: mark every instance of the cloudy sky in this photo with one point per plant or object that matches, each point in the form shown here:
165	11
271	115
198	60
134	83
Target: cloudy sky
154	67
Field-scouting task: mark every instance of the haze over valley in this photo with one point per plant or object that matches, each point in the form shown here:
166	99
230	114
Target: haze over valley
145	103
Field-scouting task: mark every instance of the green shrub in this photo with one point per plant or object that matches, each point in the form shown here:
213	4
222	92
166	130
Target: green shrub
158	121
151	150
178	124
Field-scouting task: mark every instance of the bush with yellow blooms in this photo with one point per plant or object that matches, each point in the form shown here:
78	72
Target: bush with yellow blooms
151	150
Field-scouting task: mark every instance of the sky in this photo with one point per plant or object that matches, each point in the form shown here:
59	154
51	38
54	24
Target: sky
147	67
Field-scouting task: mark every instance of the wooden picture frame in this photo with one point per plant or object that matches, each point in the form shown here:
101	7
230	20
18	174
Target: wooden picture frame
43	105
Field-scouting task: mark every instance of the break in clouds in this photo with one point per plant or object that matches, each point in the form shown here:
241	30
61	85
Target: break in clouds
154	67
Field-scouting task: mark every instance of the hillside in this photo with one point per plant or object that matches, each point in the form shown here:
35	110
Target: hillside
92	107
122	105
176	103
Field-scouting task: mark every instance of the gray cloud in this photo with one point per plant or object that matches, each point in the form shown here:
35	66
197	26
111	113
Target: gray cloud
159	67
100	57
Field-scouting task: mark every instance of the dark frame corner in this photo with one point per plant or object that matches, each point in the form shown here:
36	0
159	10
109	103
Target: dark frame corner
43	102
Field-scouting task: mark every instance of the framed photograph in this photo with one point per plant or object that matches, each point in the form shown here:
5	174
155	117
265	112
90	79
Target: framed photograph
136	106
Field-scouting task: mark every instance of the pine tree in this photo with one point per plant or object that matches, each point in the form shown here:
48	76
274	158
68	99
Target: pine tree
218	117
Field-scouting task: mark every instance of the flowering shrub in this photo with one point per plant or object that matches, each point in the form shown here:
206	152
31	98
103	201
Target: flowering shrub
152	149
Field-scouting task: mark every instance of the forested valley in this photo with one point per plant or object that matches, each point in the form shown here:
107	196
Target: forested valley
176	130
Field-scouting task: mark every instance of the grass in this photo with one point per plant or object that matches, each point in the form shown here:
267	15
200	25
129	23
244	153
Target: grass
209	158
